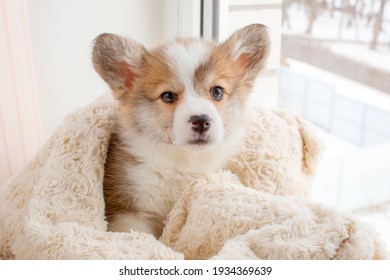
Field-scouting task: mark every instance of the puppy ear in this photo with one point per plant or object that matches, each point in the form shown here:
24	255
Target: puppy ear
248	48
118	61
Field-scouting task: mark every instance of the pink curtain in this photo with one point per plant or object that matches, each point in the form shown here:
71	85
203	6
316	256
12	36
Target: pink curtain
20	133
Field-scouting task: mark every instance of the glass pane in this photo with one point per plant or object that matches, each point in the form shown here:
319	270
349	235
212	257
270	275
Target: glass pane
335	72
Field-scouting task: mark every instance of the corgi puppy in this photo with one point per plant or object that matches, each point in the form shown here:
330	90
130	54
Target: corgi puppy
181	115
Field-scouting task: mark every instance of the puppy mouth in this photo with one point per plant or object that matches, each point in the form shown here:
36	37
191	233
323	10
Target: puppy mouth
199	142
195	141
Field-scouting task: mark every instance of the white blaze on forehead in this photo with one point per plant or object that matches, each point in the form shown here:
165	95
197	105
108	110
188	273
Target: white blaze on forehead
185	58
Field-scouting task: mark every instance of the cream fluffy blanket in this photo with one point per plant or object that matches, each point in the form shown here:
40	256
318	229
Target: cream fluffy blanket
257	208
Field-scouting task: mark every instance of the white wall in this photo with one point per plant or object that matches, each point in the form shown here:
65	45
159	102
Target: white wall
62	32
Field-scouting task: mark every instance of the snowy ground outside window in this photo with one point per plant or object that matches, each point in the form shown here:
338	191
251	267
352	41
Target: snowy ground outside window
336	77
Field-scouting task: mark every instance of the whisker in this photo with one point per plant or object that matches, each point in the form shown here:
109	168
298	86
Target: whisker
150	139
156	144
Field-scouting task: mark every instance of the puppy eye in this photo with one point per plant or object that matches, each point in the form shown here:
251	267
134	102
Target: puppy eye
168	97
217	93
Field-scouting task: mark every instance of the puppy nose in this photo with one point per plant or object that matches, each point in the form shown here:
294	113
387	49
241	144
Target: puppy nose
200	123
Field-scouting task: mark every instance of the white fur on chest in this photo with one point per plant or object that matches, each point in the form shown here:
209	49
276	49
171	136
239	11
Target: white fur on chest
162	173
166	171
157	190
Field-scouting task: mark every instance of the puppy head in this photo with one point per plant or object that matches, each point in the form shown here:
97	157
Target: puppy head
189	93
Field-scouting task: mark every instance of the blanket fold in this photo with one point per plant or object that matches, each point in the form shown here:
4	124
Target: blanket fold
219	218
257	208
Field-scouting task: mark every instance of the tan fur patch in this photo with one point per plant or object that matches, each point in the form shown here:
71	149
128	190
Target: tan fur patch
117	187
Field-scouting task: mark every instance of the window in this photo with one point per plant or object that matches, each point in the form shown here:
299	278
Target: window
335	73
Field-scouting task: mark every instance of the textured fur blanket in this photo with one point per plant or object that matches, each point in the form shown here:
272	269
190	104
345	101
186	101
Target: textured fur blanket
258	207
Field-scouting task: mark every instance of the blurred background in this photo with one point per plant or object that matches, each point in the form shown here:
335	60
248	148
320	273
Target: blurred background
330	63
335	72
